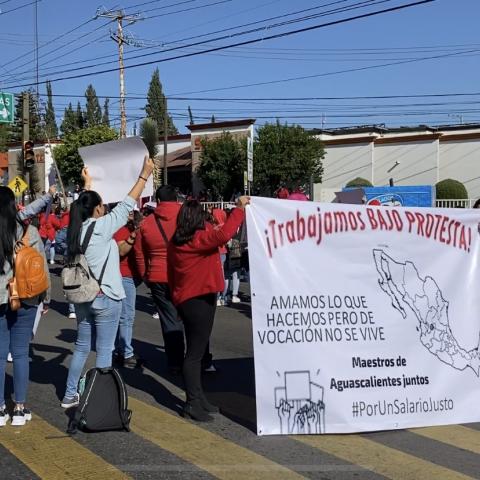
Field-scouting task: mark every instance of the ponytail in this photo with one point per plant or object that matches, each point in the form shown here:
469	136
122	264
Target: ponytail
8	228
80	210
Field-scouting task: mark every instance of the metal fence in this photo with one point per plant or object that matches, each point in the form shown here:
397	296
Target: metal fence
468	203
220	205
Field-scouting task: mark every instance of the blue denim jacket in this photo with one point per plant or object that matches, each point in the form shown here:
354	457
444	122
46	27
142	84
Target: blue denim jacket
102	245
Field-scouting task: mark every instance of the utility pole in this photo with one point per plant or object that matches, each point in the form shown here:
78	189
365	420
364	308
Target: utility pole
120	16
36	46
165	141
25	132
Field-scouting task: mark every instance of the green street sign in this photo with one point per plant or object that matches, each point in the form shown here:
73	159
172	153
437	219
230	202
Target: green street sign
6	108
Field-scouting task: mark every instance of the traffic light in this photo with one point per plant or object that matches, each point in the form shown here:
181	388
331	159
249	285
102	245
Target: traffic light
28	154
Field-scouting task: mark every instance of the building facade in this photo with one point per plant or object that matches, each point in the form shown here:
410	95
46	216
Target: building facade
409	156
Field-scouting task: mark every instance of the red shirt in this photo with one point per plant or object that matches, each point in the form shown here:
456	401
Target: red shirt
150	247
46	227
61	222
195	269
127	262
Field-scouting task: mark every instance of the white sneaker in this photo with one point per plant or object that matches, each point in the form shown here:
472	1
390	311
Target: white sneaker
4	417
52	262
72	315
9	358
210	369
235	299
156	316
21	417
219	302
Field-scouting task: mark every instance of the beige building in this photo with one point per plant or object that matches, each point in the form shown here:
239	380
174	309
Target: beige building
410	156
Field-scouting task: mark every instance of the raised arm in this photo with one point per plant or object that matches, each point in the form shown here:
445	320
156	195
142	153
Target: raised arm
210	239
140	259
118	217
37	206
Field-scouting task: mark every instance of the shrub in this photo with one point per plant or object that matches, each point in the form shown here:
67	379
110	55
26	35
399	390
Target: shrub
359	182
450	189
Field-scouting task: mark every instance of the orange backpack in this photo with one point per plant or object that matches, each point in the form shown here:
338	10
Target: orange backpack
30	277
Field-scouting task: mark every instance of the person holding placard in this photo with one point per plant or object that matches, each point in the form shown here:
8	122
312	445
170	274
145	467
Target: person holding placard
100	317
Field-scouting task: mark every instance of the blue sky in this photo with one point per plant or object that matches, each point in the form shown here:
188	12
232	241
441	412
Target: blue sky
447	29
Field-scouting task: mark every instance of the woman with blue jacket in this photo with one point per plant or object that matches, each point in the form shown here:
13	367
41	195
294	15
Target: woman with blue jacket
99	318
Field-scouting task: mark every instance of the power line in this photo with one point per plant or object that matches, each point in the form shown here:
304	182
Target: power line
187	9
180	48
301	19
247	42
17	8
327	74
285	15
48	43
255	51
240	12
277	99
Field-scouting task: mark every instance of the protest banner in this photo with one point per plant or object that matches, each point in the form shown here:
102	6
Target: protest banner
364	318
114	167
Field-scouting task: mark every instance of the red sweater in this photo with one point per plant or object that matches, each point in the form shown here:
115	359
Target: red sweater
194	269
150	247
47	226
127	262
61	222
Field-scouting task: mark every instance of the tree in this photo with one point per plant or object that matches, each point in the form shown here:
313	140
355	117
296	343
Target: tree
15	130
51	128
106	114
149	134
69	123
285	155
155	106
66	155
450	189
359	182
93	114
222	163
80	117
4	137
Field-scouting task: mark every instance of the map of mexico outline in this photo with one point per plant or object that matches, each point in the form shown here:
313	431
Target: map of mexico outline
409	291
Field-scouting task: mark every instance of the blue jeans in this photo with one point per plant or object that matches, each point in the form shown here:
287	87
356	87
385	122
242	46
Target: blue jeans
97	327
223	295
127	317
15	335
49	249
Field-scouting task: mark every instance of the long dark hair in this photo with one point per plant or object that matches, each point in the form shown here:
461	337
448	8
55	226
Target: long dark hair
80	210
8	227
190	219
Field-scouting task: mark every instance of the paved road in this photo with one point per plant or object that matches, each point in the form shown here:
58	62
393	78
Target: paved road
162	445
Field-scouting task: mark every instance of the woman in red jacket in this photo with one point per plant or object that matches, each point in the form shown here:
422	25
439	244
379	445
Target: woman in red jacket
47	232
195	277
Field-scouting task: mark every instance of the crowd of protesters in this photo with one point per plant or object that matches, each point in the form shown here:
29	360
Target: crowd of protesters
175	250
191	259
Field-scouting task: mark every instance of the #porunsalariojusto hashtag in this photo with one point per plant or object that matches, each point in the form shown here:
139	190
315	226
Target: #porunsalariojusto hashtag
401	406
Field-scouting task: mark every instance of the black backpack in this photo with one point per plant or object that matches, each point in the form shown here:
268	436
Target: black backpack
103	403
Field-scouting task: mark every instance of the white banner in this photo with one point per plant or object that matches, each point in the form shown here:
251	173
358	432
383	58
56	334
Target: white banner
114	167
364	318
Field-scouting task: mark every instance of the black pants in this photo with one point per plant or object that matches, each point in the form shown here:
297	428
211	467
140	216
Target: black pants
172	327
197	314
